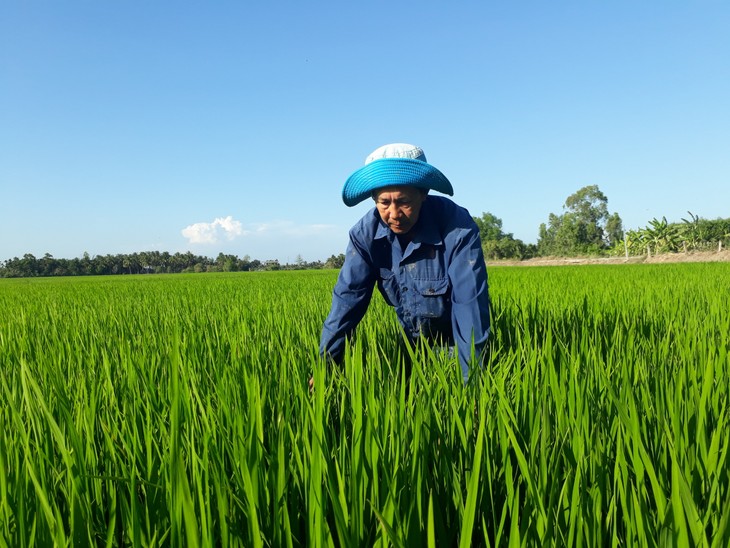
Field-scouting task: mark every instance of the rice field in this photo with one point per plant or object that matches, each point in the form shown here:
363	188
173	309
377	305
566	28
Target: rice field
175	410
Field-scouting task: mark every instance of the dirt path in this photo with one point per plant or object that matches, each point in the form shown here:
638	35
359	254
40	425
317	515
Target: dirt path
692	257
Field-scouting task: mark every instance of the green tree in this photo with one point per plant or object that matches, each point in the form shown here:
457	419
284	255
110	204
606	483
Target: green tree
490	227
226	263
335	261
662	236
614	230
497	244
584	227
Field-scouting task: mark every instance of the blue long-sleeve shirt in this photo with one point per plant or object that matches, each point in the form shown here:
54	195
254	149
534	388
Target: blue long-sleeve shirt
437	284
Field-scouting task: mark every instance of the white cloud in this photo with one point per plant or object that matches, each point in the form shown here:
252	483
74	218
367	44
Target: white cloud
229	229
209	233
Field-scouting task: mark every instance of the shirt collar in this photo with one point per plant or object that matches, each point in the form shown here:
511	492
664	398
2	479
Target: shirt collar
427	227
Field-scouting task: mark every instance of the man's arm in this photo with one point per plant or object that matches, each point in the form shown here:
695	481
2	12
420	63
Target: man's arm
470	299
350	300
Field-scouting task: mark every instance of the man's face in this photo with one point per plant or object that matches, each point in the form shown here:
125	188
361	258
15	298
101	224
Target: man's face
399	207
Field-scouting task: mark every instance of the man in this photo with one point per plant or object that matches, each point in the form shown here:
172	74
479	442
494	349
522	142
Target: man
422	251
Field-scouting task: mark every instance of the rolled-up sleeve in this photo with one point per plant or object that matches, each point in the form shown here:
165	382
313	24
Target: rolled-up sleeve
350	300
470	298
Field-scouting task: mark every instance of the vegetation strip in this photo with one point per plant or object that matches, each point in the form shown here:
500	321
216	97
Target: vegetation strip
175	410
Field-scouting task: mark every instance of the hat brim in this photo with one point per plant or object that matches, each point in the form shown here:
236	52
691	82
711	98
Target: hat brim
387	172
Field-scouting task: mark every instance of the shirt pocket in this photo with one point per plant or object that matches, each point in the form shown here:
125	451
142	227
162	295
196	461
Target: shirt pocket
388	286
434	296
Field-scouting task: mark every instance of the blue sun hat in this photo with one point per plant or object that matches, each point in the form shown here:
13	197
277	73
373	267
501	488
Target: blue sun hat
396	164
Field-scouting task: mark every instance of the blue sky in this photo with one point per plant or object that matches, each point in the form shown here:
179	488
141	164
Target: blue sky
232	126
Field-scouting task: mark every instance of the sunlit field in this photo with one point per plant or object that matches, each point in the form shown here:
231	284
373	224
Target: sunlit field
175	410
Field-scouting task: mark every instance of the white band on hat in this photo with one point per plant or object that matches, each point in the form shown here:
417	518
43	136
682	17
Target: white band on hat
397	150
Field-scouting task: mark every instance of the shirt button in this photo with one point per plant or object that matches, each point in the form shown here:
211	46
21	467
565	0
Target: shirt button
404	288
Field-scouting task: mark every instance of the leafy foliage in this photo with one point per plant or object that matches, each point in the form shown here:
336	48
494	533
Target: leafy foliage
335	261
586	226
661	236
148	262
497	244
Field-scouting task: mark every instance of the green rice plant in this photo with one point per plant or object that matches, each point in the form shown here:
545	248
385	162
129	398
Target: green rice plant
175	410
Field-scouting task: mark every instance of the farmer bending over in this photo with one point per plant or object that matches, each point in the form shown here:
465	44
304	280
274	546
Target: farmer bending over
422	251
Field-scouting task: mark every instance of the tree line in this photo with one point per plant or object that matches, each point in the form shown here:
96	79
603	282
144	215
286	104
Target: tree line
585	227
149	262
